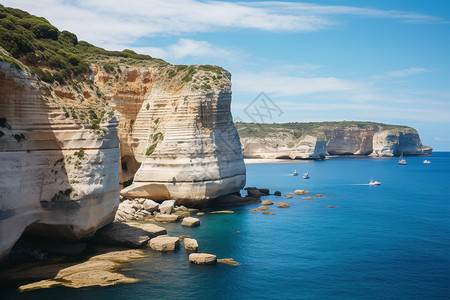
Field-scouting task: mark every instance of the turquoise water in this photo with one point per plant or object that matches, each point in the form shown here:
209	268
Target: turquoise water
380	242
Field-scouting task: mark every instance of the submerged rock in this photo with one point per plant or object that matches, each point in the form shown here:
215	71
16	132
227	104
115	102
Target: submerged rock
308	198
98	270
288	196
228	261
222	212
268	213
266	202
282	204
202	258
301	192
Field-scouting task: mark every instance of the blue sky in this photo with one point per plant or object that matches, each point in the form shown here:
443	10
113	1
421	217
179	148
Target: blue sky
384	61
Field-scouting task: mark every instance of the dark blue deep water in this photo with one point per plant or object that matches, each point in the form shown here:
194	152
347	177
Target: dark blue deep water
380	242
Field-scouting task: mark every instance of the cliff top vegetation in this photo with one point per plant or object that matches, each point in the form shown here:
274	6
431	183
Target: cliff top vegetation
297	129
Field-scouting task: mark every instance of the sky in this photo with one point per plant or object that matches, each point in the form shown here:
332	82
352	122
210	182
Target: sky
363	60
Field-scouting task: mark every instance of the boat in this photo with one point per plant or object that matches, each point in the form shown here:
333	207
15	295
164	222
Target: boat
306	176
402	161
295	173
374	182
426	161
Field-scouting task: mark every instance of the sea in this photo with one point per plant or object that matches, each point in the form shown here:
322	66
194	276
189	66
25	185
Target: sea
390	241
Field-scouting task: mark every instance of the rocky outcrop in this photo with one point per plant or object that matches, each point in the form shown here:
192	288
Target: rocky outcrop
59	155
317	140
183	138
202	258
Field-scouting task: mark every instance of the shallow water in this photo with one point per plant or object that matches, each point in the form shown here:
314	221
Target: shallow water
380	242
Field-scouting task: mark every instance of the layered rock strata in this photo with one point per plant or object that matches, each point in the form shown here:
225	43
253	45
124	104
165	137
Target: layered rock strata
59	155
183	140
317	140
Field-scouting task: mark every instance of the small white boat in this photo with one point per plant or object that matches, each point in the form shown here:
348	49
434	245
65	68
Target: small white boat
295	173
402	161
426	161
374	182
306	176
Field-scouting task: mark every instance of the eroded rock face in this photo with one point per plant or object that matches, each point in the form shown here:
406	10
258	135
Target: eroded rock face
59	155
186	144
316	140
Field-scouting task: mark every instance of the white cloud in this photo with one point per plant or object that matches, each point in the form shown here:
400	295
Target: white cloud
112	21
184	48
406	72
282	85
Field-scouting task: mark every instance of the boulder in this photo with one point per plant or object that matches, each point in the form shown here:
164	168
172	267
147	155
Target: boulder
164	243
122	234
282	204
152	230
182	214
126	208
150	205
202	258
301	192
277	193
254	193
266	202
263	208
190	244
190	222
166	218
181	208
264	191
200	213
166	207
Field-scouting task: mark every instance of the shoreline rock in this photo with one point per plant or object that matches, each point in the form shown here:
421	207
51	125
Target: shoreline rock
202	259
164	243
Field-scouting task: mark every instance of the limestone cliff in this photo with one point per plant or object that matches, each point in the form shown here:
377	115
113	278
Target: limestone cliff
176	131
59	156
317	140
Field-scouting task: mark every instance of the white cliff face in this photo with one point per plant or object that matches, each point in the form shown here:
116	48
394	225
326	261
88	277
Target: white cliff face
321	139
394	142
59	175
187	145
308	147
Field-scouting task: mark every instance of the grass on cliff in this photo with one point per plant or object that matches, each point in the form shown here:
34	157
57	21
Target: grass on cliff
296	129
51	54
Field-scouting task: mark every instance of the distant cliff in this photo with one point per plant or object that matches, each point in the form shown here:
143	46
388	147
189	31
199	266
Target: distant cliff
316	140
75	120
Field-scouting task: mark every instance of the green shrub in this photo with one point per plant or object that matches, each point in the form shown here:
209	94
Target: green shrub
189	74
151	149
128	182
80	153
